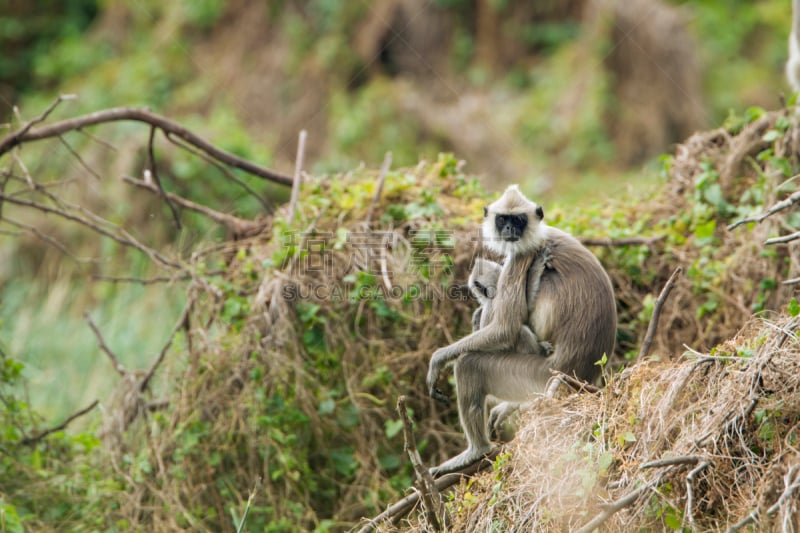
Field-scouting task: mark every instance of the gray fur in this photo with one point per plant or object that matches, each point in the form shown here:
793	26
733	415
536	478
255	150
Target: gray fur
570	304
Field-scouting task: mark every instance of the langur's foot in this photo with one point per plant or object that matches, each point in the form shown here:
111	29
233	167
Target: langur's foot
460	461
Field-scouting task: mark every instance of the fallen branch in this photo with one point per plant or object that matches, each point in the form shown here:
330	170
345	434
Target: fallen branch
182	322
431	498
401	508
630	241
670	461
33	440
27	134
651	329
613	507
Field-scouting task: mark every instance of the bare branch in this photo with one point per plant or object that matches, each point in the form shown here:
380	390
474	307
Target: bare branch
298	170
28	134
431	498
387	163
780	206
562	378
126	239
651	329
614	507
630	241
182	321
690	491
268	207
237	226
402	507
33	440
104	347
77	156
784	238
41	118
671	461
151	156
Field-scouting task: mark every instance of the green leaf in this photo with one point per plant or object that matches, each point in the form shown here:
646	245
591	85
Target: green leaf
771	135
392	427
793	307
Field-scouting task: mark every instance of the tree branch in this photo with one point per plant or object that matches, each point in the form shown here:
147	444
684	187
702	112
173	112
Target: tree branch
431	498
298	174
27	134
104	347
651	329
151	156
404	506
237	226
33	440
630	241
780	206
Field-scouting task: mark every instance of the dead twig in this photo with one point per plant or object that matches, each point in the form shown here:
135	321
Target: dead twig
182	322
125	239
28	134
431	498
41	118
784	238
670	461
237	226
151	157
613	507
651	329
578	385
402	507
33	440
268	207
104	347
298	174
780	206
630	241
690	492
387	163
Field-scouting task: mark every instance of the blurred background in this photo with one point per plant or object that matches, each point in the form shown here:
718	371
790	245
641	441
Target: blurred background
571	98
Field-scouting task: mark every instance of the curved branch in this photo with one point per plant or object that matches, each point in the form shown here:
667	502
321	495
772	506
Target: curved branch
27	134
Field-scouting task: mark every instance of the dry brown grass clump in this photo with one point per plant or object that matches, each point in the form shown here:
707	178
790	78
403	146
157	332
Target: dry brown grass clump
705	443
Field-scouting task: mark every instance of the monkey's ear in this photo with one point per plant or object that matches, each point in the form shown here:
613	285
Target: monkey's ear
485	211
539	212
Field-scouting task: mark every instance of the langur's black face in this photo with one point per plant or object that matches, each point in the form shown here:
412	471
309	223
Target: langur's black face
510	228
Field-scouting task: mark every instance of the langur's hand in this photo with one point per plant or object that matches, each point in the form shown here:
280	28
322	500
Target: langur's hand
434	369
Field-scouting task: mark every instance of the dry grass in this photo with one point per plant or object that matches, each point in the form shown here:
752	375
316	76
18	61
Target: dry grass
728	422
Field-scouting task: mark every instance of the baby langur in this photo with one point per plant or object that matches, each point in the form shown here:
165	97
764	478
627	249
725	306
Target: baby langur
483	285
574	310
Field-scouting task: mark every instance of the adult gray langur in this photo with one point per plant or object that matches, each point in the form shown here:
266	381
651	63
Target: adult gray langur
574	310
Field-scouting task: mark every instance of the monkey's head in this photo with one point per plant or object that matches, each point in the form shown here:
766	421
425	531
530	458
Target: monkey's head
483	279
513	224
